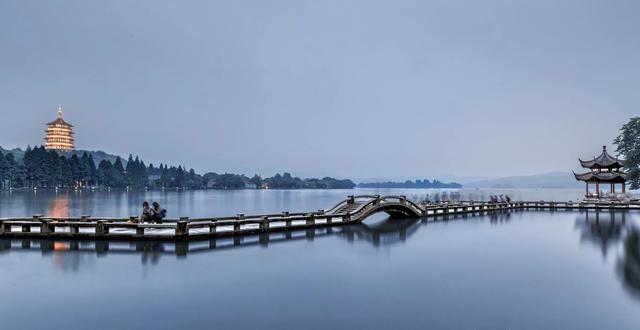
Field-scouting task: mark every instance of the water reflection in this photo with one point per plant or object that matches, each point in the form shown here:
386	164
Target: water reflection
68	254
59	207
604	229
383	233
628	267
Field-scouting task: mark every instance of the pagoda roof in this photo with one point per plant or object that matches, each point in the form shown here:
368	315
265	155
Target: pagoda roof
59	121
616	177
604	160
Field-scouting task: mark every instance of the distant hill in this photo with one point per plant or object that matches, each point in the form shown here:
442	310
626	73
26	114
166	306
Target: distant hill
546	180
411	184
98	156
17	152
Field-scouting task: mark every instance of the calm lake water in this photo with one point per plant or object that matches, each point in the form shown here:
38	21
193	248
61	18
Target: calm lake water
517	270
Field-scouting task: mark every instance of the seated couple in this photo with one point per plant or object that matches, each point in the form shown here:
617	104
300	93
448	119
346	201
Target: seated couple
153	214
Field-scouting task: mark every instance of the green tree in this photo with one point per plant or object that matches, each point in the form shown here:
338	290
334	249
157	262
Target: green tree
628	145
4	170
117	174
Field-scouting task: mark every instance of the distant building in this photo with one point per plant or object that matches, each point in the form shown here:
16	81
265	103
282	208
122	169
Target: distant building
59	134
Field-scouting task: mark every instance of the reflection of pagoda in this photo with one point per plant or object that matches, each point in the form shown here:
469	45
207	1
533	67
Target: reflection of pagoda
59	134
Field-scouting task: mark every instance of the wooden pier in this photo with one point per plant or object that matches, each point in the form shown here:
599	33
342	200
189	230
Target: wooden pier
354	209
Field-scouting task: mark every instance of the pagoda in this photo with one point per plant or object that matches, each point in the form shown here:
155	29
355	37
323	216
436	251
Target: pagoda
604	169
59	134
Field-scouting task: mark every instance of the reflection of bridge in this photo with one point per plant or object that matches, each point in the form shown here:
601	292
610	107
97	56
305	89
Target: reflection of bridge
382	233
354	209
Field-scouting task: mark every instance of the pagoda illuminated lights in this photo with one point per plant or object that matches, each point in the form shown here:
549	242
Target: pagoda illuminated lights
59	134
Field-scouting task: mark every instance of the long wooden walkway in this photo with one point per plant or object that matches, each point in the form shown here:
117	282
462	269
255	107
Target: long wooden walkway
351	210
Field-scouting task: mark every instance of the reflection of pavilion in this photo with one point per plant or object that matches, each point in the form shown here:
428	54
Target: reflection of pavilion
629	265
603	228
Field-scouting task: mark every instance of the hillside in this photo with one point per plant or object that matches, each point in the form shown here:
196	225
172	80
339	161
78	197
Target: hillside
545	180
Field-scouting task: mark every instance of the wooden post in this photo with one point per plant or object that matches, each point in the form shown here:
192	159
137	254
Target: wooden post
85	218
285	214
613	187
329	219
345	218
3	227
101	229
139	230
351	199
598	189
264	223
27	228
213	227
623	187
236	226
73	229
586	193
182	227
311	220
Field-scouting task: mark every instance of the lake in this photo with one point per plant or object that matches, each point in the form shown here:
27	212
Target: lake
512	270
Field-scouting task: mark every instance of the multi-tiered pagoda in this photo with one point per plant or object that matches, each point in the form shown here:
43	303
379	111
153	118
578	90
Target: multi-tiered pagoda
59	134
604	169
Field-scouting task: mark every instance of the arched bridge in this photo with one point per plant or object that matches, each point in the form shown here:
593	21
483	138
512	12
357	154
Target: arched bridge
357	208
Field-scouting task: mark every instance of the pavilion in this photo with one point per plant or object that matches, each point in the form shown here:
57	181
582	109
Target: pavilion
604	169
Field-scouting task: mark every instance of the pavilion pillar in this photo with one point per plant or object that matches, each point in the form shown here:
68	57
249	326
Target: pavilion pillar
598	189
586	192
613	187
623	184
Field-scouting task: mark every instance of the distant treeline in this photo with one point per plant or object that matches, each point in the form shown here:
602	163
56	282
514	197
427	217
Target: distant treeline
41	168
411	184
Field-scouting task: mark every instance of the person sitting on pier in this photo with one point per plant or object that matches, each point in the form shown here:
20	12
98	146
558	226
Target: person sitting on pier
147	213
158	213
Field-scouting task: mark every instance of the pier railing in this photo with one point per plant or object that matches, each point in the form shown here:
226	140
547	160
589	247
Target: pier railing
353	209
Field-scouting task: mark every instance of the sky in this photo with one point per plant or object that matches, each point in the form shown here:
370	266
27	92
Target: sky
356	89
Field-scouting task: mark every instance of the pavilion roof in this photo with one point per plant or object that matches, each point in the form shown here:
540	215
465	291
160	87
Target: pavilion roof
615	177
604	160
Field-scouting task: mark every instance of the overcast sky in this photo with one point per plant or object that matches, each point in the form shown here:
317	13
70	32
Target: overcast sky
360	89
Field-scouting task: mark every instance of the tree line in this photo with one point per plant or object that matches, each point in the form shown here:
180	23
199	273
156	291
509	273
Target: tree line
42	168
